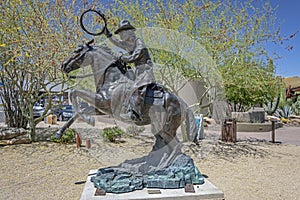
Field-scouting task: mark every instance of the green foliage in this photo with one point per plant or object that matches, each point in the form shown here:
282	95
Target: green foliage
296	107
271	107
66	138
250	84
284	112
35	37
112	133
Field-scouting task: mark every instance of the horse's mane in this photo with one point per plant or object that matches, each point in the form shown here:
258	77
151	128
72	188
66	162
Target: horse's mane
105	48
103	57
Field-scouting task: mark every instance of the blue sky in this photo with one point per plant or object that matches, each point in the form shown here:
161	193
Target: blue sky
288	15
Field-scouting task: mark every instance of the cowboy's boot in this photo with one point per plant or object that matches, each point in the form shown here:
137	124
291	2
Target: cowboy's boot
133	111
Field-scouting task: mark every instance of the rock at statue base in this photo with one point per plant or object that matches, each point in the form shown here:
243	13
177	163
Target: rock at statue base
180	172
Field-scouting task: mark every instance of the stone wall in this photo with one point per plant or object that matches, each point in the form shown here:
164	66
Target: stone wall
254	115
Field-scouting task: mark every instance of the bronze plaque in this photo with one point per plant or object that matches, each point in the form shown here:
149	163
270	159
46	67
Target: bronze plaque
154	191
100	192
189	188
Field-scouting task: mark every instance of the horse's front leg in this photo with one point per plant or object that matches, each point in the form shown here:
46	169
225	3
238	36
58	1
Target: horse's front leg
61	131
86	96
97	101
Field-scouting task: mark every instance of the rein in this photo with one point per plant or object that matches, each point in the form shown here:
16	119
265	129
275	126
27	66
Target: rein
84	76
121	67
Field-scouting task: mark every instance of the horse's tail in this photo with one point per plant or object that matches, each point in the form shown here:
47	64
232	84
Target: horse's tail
189	125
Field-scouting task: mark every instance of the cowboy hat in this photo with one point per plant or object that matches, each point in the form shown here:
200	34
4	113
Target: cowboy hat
124	25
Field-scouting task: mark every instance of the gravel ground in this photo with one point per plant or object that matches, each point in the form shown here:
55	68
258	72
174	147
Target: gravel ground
248	169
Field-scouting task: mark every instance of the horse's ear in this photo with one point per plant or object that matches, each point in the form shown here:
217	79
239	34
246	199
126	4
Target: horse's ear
90	42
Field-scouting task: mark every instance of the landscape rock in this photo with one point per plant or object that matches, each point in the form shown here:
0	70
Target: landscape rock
9	133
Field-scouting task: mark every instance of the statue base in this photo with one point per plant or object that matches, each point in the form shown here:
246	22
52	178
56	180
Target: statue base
204	191
165	168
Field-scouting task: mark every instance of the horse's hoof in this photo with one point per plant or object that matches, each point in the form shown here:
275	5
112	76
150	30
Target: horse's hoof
58	135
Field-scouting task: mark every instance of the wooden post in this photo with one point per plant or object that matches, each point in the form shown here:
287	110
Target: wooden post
224	131
273	131
234	130
229	131
78	140
88	143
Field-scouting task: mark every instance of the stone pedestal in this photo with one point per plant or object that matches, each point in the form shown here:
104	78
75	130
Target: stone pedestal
203	191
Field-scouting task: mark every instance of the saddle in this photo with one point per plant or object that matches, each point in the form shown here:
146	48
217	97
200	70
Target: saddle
151	94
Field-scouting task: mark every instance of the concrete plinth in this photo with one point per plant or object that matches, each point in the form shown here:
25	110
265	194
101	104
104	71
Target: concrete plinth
204	191
256	127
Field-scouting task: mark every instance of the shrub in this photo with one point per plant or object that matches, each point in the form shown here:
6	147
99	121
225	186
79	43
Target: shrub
284	112
296	108
285	120
68	137
112	133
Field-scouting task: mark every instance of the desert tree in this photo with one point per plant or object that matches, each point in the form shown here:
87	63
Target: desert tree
36	36
233	33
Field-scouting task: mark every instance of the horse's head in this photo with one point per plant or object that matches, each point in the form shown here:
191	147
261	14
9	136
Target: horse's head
78	58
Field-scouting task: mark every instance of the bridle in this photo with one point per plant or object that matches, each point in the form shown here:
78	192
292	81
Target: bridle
118	63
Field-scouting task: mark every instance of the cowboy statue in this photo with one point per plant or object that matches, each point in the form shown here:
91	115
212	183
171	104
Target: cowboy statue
139	100
139	55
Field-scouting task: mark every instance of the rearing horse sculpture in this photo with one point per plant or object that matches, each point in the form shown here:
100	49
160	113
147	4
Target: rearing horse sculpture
162	109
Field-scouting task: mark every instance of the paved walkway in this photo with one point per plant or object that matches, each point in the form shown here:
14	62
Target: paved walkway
286	134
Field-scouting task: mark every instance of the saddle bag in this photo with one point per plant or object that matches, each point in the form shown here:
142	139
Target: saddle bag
154	94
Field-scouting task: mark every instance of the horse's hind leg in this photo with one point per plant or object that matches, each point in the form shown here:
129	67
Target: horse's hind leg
171	125
165	130
61	131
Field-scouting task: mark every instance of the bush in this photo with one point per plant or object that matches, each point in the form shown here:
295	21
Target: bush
296	108
111	134
284	112
68	137
285	120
